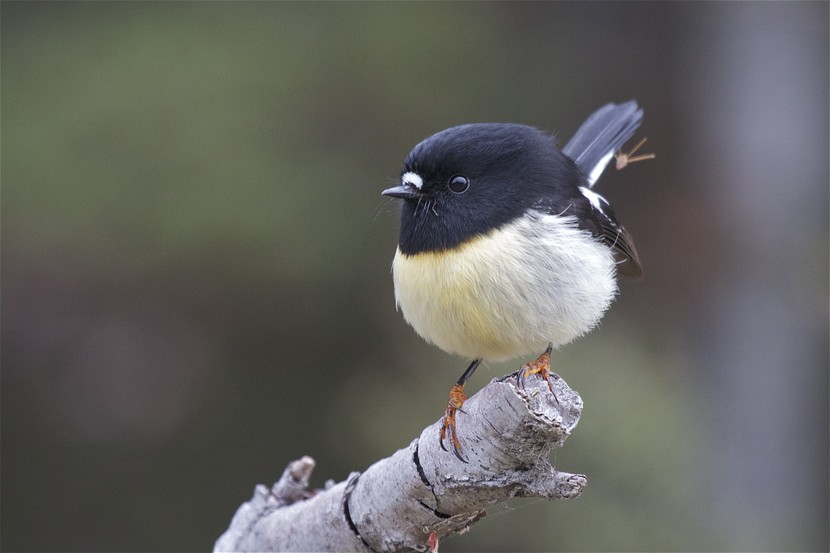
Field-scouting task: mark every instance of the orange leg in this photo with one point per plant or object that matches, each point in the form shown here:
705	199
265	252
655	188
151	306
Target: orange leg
457	399
541	367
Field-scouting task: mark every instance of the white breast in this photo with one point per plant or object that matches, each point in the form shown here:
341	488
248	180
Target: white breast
537	280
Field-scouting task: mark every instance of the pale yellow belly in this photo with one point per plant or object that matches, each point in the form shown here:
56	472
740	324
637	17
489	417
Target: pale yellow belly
503	295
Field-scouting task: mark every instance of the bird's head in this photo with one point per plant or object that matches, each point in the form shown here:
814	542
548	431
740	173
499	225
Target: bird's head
471	179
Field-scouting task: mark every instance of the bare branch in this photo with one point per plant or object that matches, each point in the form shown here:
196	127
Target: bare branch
395	505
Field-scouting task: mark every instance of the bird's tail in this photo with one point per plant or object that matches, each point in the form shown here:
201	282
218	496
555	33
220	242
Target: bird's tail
602	134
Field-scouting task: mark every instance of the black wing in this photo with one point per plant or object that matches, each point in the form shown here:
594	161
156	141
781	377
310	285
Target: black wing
591	148
602	223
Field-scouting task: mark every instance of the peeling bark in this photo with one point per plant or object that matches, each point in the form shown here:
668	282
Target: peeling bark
507	432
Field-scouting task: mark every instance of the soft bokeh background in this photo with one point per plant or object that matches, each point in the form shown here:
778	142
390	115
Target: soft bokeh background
195	262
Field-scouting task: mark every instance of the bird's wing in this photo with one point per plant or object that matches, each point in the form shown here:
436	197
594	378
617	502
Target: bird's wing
594	214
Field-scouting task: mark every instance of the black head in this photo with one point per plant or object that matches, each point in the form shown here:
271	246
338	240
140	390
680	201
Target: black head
468	180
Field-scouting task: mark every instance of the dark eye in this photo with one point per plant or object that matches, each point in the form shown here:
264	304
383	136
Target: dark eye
459	184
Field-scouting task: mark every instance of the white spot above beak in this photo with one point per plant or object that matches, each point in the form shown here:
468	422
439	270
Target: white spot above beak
412	179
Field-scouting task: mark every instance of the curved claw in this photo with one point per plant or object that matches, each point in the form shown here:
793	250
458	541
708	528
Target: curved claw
457	399
456	448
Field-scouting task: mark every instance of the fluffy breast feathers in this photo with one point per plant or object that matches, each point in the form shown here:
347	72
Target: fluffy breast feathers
510	292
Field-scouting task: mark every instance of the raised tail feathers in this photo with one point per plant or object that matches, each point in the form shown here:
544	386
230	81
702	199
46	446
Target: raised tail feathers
602	134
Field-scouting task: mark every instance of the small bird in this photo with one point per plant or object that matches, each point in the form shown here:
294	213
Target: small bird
504	247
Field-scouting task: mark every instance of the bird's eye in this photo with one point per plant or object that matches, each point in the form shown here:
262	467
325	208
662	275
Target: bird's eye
459	184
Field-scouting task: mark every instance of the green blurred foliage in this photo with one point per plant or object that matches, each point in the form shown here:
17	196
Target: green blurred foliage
196	257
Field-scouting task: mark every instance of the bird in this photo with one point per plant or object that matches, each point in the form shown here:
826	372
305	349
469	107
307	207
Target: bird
504	248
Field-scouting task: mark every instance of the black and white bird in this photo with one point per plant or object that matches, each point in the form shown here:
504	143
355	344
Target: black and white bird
504	247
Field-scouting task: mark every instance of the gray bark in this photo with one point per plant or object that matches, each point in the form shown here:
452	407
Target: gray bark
507	433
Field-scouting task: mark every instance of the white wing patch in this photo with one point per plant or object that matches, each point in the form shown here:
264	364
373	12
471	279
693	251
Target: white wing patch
595	199
413	179
599	168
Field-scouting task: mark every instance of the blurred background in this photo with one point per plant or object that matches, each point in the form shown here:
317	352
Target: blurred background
196	257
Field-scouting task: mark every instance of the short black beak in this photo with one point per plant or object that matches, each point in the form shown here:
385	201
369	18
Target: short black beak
404	191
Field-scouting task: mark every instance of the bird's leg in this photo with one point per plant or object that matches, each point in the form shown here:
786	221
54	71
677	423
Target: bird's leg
541	367
457	399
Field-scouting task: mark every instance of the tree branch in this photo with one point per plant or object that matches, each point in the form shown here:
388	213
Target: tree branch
507	433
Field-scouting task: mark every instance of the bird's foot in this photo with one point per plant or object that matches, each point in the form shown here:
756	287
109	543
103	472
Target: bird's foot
541	367
448	430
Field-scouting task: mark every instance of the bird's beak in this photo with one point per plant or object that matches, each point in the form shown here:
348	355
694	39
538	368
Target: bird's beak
404	191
